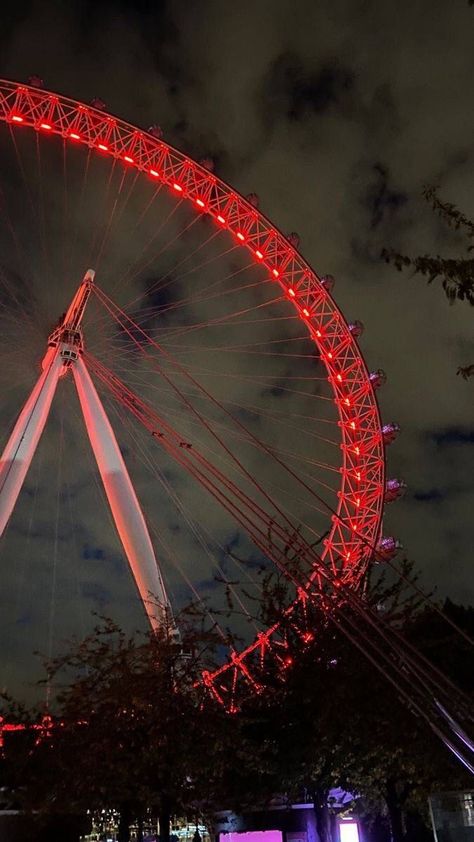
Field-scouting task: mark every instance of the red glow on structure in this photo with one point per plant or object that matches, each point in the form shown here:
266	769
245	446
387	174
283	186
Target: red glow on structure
46	126
177	187
240	236
256	229
128	159
305	312
291	292
307	637
258	254
200	203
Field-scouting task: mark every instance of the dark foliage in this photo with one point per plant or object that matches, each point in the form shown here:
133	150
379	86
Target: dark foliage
456	274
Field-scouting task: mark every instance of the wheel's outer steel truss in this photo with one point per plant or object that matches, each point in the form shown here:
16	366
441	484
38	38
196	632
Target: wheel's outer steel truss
349	547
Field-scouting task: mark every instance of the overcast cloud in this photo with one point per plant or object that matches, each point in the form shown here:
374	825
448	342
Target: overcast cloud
336	113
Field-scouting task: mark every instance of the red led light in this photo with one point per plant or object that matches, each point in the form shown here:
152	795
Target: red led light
128	159
305	312
259	254
200	203
154	173
346	400
177	187
319	334
221	219
291	292
46	126
352	425
339	378
103	147
74	136
329	355
17	119
240	236
276	273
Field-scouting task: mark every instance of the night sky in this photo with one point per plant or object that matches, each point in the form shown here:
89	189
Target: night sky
336	113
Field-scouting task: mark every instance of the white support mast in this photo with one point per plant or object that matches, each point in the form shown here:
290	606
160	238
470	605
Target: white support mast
21	446
123	501
65	346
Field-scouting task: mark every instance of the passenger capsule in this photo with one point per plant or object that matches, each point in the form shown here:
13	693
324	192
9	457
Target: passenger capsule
156	131
294	239
98	104
390	432
394	489
35	82
328	281
356	328
387	548
377	378
207	163
253	199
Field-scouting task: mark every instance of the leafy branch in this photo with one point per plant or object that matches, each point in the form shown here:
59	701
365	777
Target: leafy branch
456	274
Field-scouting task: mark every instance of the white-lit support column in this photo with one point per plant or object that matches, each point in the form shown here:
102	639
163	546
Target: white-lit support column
21	446
123	501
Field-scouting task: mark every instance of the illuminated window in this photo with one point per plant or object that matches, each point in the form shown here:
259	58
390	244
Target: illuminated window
349	832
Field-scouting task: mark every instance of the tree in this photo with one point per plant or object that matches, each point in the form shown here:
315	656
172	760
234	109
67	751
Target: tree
333	720
456	274
133	729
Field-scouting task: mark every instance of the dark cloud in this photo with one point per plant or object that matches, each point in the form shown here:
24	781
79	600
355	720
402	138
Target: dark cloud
453	436
297	90
382	200
431	495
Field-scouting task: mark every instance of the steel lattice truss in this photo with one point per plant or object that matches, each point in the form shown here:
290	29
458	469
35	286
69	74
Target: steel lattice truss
355	529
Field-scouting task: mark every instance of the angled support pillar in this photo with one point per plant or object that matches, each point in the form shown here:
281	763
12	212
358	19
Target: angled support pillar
123	501
21	446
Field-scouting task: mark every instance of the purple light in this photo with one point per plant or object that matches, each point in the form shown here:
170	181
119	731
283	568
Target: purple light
256	836
349	831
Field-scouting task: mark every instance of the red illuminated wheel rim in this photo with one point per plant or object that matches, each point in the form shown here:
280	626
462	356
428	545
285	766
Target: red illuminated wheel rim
355	521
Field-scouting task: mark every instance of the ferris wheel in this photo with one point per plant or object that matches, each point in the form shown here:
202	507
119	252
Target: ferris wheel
226	401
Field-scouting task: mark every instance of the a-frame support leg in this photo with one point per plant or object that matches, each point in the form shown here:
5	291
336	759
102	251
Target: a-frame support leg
21	446
123	501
